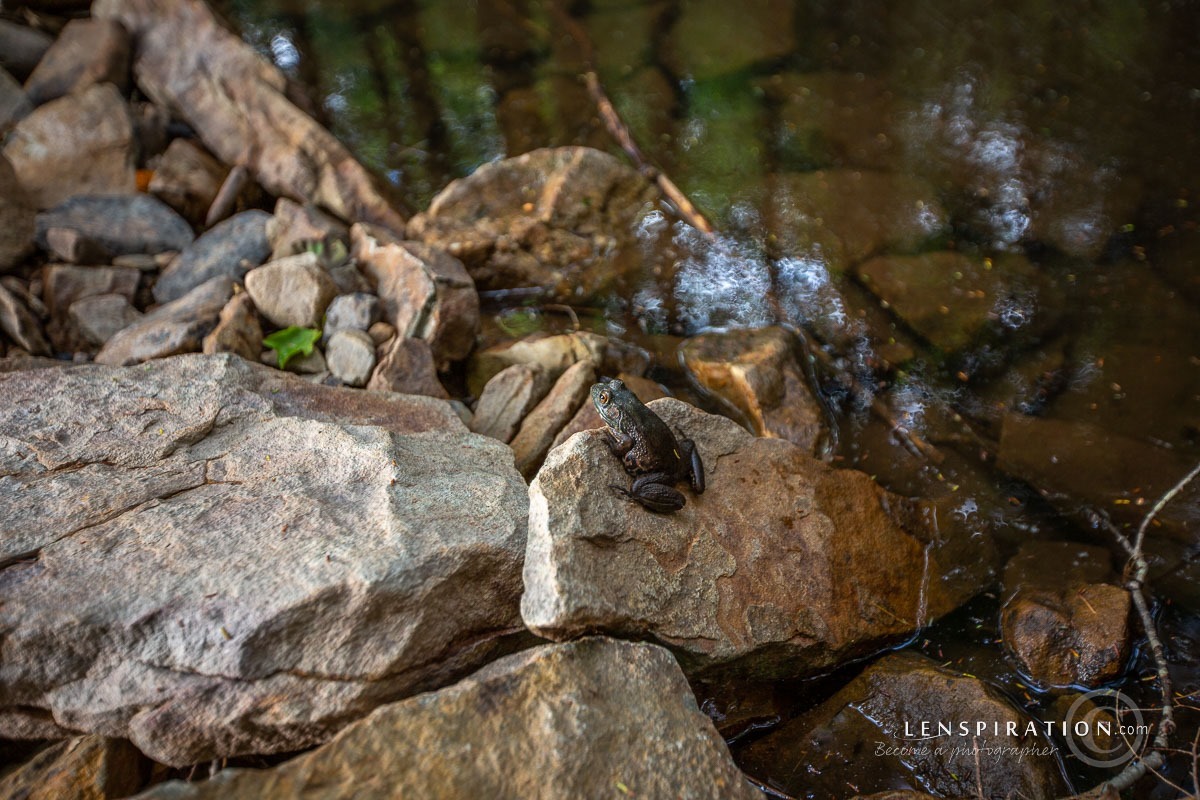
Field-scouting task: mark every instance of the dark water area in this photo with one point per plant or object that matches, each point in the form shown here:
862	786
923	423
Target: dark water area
982	215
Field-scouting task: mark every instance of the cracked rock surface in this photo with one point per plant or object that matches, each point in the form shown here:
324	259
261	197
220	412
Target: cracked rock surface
212	558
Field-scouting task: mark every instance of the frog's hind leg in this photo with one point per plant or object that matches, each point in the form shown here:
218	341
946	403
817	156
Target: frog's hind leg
693	466
654	492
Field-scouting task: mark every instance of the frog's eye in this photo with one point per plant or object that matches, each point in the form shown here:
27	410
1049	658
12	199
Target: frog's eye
604	398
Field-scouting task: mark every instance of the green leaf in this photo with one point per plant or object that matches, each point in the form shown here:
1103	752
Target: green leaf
290	341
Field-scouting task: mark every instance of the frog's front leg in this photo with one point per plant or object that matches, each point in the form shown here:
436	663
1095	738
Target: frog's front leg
693	467
618	443
654	491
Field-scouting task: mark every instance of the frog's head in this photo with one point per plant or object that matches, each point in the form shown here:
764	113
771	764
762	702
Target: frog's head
610	397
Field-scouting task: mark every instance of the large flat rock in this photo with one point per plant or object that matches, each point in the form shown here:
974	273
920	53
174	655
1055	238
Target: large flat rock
594	718
783	566
209	557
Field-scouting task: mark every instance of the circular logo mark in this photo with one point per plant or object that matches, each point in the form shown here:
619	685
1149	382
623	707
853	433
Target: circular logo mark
1104	728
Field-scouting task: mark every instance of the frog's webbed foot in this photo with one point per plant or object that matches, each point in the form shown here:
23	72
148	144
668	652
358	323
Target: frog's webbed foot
654	492
693	466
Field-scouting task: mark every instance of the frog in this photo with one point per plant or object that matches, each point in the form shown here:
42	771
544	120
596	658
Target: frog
648	449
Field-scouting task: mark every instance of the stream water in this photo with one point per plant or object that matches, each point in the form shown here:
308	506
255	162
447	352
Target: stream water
1053	147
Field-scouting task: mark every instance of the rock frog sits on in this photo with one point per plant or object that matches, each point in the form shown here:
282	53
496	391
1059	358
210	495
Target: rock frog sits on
647	448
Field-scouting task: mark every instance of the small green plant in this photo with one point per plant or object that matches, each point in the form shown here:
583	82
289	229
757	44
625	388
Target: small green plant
290	341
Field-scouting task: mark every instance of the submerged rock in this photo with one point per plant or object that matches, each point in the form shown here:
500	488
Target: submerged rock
870	735
232	247
242	562
593	718
784	566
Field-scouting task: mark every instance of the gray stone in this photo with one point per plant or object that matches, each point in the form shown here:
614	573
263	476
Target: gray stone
508	397
99	317
232	248
86	52
63	284
78	144
238	330
21	325
258	562
407	367
357	311
21	48
783	566
16	219
538	429
187	179
74	247
350	355
593	718
121	224
291	291
14	105
177	327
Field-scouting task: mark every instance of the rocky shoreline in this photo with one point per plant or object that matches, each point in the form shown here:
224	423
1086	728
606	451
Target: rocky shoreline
210	554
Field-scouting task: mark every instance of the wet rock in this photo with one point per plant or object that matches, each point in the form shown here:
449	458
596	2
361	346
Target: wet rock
833	119
86	768
122	225
78	144
955	301
291	291
508	397
1074	462
177	327
840	740
232	247
187	179
99	317
406	366
538	429
16	219
22	325
756	372
294	224
63	284
552	353
357	564
426	293
237	103
238	330
1064	619
21	48
14	104
708	41
844	216
783	566
357	312
86	52
587	418
551	218
584	719
350	355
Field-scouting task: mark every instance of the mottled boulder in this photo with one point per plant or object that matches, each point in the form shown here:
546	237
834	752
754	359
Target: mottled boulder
1065	618
507	398
239	561
85	768
86	52
562	219
177	327
232	247
121	224
757	373
16	219
594	718
783	566
291	291
552	353
548	417
874	725
188	179
238	330
78	144
425	292
406	365
238	104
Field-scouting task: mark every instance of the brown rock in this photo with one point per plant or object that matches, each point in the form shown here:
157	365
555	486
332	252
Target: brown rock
188	179
294	224
21	325
236	102
756	372
708	41
87	768
177	327
1064	620
552	353
884	708
507	398
75	247
587	418
78	144
99	317
407	367
238	330
17	217
14	105
350	355
426	293
537	432
783	566
232	247
86	52
563	219
63	284
381	333
291	291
